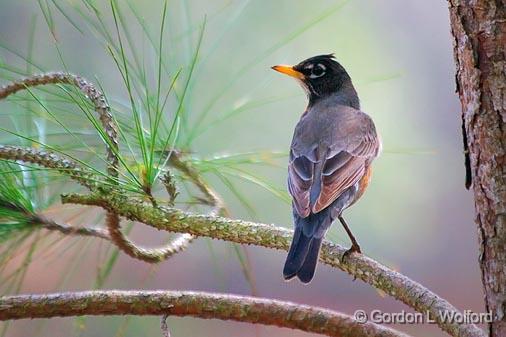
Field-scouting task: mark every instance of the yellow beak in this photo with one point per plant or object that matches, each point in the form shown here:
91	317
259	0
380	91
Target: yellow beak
288	70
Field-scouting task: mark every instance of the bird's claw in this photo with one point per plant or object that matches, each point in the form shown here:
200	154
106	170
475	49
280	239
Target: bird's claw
353	249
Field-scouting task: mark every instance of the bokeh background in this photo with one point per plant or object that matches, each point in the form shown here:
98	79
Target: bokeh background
417	216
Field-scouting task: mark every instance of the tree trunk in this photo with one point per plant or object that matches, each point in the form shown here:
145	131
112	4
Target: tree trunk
479	30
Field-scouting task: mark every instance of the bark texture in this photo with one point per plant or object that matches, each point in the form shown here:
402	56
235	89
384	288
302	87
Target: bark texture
359	266
479	30
196	304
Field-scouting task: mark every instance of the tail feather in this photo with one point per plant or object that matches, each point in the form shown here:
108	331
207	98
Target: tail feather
297	254
307	270
305	248
307	239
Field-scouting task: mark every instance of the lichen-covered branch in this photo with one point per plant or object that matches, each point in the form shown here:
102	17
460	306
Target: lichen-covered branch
195	304
68	167
69	230
391	282
49	159
96	97
150	255
211	197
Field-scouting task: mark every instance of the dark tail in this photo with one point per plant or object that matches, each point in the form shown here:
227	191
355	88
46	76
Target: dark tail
297	254
306	272
305	248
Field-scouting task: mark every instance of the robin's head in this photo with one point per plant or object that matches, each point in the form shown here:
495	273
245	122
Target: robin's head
320	76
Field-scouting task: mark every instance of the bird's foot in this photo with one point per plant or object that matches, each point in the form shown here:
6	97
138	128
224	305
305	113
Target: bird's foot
355	248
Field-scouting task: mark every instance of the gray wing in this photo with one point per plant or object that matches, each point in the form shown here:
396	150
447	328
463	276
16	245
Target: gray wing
319	173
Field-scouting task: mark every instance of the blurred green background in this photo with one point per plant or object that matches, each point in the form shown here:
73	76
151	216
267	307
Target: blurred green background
417	216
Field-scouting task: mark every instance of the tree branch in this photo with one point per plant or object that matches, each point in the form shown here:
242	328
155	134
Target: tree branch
95	96
51	160
68	167
151	255
391	282
196	304
70	230
212	198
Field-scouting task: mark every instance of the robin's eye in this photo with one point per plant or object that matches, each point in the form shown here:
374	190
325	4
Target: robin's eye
318	71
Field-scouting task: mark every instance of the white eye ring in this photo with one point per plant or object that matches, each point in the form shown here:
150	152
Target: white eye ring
321	68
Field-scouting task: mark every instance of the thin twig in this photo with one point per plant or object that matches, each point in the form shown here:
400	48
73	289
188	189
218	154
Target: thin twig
212	198
155	254
96	97
360	266
68	167
164	326
70	230
48	159
196	304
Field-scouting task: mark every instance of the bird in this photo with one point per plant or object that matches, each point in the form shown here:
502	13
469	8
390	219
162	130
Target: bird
329	164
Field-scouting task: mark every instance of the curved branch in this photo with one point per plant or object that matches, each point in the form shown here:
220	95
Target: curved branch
50	160
96	97
196	304
70	230
212	198
68	167
391	282
149	254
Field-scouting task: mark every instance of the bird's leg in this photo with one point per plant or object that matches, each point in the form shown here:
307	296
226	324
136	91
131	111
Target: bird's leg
354	244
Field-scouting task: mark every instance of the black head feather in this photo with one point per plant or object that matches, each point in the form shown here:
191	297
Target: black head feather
324	76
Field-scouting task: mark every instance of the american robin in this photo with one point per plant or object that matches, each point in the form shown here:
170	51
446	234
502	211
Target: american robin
330	159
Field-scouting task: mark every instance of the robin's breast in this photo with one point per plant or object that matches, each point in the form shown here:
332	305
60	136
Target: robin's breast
363	183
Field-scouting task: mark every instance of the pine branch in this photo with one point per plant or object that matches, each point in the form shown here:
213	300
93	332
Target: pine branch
360	266
211	197
195	304
69	230
51	160
149	255
88	89
68	167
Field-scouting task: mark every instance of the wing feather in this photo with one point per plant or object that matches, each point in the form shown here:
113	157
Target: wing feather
300	177
318	176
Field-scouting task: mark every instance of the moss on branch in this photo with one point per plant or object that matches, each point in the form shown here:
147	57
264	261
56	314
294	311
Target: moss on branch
360	266
196	304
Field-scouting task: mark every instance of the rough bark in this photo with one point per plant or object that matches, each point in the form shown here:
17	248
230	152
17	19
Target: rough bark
196	304
479	30
359	266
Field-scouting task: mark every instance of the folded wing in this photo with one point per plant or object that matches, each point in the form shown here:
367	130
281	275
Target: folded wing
318	176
